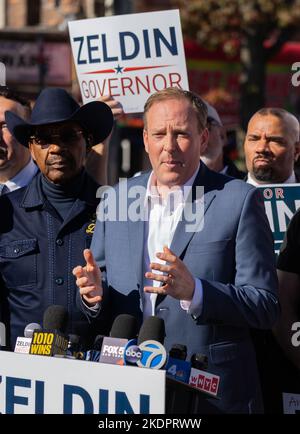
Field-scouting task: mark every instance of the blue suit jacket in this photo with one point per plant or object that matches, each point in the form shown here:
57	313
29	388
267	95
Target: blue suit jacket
232	255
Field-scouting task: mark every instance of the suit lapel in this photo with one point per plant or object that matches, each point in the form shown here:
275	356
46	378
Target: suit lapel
192	218
182	236
136	231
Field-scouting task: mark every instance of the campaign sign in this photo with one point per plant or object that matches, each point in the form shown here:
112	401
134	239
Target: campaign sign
44	385
128	56
281	202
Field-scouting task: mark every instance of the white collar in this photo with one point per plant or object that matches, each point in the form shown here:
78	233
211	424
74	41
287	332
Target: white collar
23	177
152	191
291	180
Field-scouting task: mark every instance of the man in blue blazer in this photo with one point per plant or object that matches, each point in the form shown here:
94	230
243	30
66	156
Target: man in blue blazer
190	246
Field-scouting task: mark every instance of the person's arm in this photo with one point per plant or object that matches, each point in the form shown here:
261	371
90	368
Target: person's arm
289	298
97	157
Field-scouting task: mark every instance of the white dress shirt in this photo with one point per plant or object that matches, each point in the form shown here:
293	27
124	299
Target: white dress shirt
291	180
23	177
161	219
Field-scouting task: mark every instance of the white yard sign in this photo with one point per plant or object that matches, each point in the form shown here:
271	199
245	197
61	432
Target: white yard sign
129	56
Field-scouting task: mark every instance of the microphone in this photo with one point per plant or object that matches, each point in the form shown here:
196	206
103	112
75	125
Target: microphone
51	340
199	361
23	342
98	342
153	328
124	328
200	378
93	355
177	367
30	328
74	346
150	344
56	318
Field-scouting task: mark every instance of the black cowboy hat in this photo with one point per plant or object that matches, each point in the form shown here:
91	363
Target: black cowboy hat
55	105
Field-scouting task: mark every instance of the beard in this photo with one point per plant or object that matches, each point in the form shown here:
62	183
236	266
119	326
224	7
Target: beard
265	174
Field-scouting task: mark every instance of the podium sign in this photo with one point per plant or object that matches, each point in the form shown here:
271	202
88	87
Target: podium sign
49	385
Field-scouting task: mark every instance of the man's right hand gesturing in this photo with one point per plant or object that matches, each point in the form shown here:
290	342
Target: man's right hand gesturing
88	279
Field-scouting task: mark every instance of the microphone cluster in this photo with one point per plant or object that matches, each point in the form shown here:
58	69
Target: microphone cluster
124	346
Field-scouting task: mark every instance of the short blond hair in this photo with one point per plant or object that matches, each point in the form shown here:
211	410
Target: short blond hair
197	103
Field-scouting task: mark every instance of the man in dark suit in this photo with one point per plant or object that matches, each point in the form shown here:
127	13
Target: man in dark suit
192	247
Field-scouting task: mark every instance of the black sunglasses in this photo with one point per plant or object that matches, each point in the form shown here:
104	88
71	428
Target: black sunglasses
67	136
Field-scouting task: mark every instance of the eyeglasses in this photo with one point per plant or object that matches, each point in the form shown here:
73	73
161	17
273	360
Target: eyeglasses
46	138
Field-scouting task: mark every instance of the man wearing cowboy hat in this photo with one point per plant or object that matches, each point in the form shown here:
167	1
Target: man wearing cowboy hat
45	226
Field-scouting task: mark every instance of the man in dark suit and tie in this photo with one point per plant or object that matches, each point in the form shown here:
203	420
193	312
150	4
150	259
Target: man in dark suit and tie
190	246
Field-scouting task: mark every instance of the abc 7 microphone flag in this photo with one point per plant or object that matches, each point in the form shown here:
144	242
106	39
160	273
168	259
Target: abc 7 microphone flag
149	354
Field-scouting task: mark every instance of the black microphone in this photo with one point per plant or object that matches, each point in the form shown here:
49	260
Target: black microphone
153	328
199	361
178	351
93	355
150	343
97	345
56	318
124	328
74	346
177	367
51	340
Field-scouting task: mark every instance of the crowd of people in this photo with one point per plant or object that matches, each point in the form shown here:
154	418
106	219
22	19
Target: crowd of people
216	287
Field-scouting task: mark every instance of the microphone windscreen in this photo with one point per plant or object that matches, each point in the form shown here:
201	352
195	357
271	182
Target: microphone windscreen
30	328
55	318
178	351
153	328
98	342
124	327
74	339
199	361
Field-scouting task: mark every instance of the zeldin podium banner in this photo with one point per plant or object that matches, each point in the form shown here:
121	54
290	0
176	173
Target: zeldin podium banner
41	385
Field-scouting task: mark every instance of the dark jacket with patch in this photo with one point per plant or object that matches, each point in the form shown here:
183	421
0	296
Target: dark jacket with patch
38	250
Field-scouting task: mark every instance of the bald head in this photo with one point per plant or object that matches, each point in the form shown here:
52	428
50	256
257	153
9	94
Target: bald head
289	121
272	145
